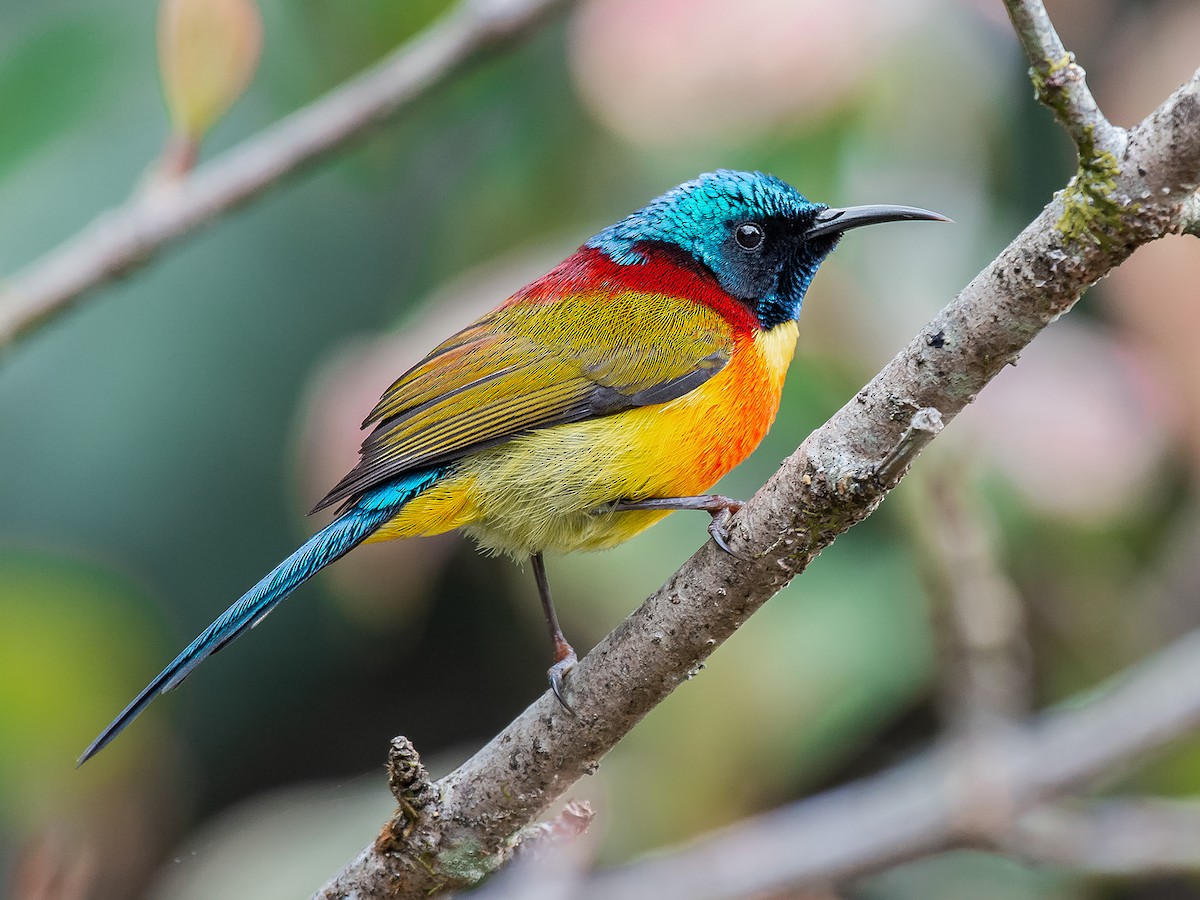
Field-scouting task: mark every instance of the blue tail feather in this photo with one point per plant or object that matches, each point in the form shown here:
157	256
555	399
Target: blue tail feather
329	544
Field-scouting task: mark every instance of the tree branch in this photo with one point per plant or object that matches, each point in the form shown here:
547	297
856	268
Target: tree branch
128	236
825	487
1060	83
1125	836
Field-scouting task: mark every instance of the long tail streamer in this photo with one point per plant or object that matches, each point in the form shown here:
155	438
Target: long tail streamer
337	539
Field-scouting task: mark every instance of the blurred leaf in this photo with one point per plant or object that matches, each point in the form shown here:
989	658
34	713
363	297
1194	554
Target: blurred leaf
208	51
71	639
48	82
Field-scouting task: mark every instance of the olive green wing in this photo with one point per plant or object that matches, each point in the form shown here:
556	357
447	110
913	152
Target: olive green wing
528	366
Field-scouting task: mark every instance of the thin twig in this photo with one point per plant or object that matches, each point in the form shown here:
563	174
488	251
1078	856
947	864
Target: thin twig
1060	83
987	675
1120	836
925	425
128	236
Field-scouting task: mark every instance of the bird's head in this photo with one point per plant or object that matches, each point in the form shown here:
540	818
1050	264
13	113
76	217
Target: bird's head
759	237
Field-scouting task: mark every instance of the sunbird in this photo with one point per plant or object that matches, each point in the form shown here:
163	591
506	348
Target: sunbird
618	387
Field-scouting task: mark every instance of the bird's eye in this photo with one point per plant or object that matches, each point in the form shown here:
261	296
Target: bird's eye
749	236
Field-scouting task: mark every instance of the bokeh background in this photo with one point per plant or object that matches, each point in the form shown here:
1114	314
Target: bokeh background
160	445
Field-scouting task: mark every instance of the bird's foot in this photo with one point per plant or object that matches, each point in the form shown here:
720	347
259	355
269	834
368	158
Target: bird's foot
720	507
718	528
565	660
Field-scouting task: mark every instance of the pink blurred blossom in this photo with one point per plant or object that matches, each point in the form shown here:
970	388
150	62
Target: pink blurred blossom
1156	294
1078	426
667	72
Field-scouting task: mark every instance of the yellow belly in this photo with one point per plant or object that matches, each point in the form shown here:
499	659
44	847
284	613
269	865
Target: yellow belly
547	490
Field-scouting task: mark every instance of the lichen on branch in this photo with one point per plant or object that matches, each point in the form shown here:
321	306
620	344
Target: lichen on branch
1092	207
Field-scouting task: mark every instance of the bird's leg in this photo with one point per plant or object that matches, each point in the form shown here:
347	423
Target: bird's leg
719	507
564	653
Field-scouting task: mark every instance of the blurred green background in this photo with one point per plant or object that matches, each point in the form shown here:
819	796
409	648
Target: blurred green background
159	445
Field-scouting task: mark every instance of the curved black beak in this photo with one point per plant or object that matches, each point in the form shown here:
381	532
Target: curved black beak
835	221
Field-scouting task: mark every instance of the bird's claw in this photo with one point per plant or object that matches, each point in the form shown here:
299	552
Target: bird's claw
558	678
718	528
